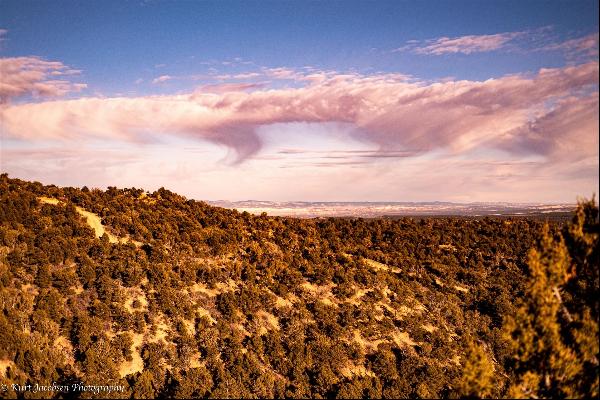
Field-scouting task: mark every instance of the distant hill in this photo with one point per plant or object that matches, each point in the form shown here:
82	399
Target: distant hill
303	209
153	294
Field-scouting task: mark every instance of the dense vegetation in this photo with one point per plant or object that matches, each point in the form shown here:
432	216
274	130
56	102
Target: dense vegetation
181	299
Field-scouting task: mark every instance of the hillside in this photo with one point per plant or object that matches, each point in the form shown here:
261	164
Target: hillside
159	295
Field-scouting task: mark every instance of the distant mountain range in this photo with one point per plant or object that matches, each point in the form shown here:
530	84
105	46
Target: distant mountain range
304	209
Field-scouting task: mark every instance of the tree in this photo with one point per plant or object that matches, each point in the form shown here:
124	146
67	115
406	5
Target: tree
478	373
555	342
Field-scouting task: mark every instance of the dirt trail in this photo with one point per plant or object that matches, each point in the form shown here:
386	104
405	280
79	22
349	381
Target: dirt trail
94	221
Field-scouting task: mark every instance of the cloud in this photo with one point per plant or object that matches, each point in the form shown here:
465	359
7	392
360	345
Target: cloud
585	46
162	79
246	75
282	73
536	40
564	132
36	77
229	87
463	44
548	114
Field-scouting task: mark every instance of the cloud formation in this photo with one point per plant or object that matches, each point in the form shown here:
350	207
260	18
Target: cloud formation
553	113
36	77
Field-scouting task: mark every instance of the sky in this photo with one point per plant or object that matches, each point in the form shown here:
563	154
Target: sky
462	101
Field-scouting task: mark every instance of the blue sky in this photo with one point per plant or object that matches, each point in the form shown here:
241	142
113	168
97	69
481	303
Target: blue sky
142	49
117	42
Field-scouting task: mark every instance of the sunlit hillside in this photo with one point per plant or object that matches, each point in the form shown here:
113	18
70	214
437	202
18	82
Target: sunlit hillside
143	294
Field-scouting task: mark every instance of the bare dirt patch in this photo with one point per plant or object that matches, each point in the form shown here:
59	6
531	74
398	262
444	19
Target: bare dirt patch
350	370
202	312
220	287
461	289
268	320
322	293
48	200
380	266
162	330
136	364
360	293
367	344
4	364
402	339
287	301
136	300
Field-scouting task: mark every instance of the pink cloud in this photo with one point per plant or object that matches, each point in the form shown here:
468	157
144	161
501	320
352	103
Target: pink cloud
563	133
519	114
31	75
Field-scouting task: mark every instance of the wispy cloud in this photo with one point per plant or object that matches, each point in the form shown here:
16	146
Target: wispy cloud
585	46
228	87
35	76
538	40
245	75
463	44
162	79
